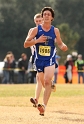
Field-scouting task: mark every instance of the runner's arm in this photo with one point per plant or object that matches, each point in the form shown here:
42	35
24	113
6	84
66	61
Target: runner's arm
30	38
59	41
30	41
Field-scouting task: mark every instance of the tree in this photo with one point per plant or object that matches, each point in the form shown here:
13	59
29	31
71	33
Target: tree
15	21
7	26
69	37
72	12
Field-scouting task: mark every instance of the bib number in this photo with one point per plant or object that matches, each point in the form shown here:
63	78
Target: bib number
44	50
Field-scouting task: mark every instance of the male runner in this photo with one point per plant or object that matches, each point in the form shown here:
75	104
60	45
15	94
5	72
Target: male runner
38	21
46	36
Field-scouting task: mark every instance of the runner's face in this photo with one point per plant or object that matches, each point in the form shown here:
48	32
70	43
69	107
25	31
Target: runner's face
47	16
38	21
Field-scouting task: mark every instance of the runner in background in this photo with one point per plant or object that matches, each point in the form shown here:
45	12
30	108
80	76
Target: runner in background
38	21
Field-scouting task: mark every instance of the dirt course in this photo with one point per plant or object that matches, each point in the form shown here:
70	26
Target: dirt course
63	111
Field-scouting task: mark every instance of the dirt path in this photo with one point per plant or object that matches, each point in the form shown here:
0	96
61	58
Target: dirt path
30	115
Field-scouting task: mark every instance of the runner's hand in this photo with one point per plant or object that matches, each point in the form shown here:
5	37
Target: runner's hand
42	39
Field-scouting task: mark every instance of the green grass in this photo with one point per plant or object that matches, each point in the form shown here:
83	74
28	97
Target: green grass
27	90
16	90
19	94
67	90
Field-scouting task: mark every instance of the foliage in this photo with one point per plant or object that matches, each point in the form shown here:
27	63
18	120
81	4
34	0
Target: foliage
16	18
72	12
69	37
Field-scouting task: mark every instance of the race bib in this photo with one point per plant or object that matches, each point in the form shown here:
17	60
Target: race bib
44	50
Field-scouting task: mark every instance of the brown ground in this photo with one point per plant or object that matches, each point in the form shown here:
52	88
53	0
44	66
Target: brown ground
60	111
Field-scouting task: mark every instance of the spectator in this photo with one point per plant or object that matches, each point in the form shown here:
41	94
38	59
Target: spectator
74	57
23	66
56	68
6	68
69	68
12	67
80	68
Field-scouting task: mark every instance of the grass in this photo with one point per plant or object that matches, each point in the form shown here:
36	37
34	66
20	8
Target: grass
67	90
27	90
19	94
17	90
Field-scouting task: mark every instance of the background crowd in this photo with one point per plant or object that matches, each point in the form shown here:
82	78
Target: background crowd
22	71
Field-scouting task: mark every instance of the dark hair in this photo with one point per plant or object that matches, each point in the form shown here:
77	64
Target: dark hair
23	54
49	9
9	52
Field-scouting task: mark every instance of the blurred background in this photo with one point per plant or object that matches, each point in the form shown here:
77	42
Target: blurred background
16	18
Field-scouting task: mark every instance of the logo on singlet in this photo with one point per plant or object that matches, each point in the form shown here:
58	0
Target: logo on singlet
40	30
48	38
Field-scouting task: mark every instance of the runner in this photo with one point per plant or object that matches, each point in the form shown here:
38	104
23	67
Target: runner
46	36
38	21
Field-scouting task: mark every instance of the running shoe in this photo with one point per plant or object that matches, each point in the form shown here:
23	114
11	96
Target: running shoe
53	87
41	109
34	101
